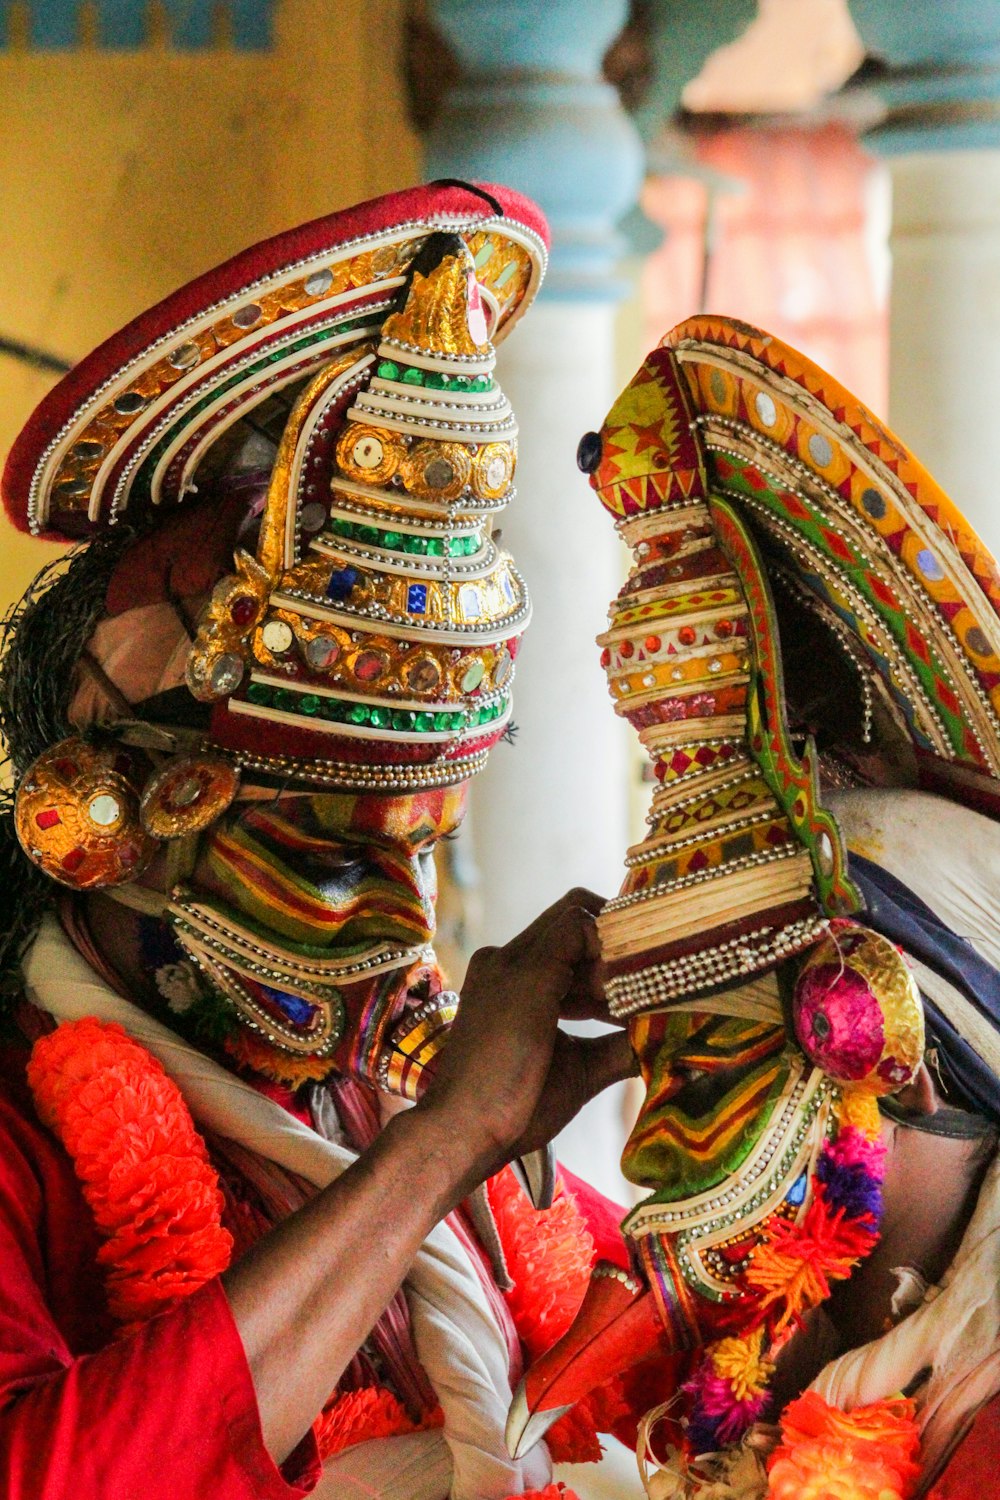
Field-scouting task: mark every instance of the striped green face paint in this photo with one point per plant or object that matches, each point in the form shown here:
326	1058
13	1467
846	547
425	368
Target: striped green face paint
333	872
711	1084
333	879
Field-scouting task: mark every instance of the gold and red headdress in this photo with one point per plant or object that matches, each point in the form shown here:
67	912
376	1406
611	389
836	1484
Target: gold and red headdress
731	462
375	622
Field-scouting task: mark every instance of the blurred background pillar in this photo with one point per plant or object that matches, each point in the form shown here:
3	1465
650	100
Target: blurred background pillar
526	105
936	73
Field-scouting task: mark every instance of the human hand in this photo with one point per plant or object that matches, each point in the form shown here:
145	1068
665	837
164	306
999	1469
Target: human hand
508	1079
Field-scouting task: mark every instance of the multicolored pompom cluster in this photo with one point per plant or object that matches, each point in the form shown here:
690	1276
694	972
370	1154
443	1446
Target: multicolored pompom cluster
790	1270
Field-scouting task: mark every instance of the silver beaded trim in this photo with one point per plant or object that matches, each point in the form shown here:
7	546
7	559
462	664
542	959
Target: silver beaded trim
760	857
466	359
652	988
701	1214
666	846
466	504
269	962
443	1000
496	629
255	1018
309	357
403	422
797	1156
449	526
348	776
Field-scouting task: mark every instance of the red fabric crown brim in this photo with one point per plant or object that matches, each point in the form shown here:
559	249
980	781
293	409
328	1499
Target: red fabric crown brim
428	203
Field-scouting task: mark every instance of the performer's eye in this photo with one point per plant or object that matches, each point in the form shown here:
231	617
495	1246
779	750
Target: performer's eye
588	454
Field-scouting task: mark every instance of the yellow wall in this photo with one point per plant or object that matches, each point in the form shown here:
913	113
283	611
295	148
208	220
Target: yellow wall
125	174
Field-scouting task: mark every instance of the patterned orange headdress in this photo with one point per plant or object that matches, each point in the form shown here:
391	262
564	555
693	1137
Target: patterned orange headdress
728	462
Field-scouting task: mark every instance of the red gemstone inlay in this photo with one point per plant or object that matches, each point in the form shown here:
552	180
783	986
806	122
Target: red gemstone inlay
48	819
73	860
652	643
243	610
605	657
686	635
724	629
626	649
66	769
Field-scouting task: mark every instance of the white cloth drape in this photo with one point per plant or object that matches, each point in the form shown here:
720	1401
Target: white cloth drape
456	1336
949	856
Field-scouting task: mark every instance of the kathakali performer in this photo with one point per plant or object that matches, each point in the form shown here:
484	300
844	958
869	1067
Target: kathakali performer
236	1258
806	947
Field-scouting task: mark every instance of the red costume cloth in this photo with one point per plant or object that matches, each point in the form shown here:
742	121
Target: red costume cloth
163	1414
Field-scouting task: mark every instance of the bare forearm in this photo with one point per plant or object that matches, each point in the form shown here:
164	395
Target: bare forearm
308	1294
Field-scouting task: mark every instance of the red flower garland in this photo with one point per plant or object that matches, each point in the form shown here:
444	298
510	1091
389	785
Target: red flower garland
869	1453
143	1167
358	1416
146	1177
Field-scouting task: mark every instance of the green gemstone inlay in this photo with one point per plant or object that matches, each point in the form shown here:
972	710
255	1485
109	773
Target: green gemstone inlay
358	713
412	376
258	693
397	541
388	369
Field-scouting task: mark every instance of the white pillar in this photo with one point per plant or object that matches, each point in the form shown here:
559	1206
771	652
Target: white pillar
551	810
944	373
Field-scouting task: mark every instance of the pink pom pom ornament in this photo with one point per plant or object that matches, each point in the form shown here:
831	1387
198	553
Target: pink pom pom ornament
857	1010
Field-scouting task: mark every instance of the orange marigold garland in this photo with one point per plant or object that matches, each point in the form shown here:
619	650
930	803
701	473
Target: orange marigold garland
143	1167
155	1197
825	1454
358	1416
550	1492
549	1253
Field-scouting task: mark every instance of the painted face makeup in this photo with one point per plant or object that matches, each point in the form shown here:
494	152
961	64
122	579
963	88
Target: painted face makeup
314	916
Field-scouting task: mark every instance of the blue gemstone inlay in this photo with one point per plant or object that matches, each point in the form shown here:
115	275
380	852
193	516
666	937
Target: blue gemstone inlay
416	598
796	1193
300	1012
341	583
929	565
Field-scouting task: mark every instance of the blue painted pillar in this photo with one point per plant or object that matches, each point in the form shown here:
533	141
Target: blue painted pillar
533	111
940	133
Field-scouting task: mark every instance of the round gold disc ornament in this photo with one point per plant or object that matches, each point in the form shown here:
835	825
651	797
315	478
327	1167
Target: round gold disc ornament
437	470
369	455
77	815
188	795
494	470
